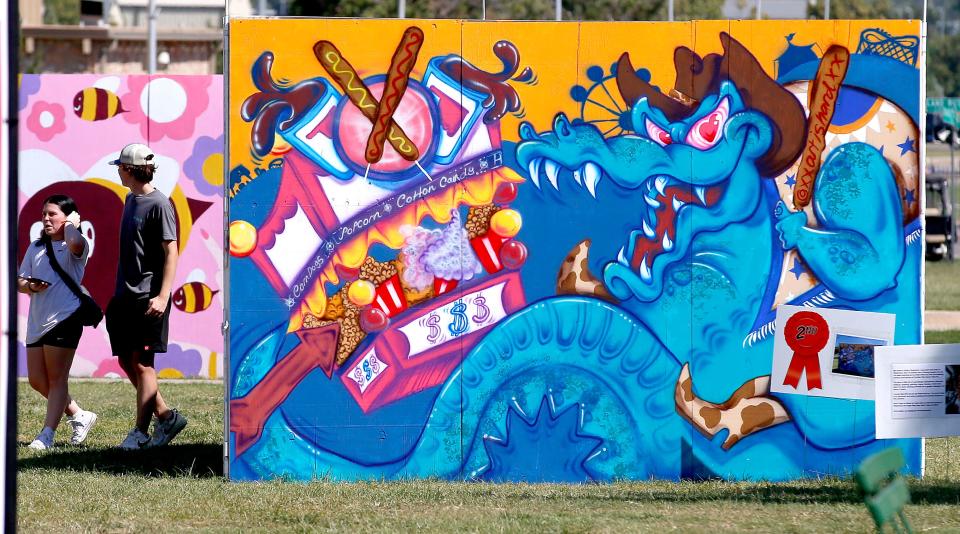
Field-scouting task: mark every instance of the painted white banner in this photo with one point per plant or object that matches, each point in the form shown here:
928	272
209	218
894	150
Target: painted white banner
463	316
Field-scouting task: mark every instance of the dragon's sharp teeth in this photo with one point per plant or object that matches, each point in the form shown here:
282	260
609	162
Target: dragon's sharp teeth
591	175
667	244
653	203
534	169
661	182
647	230
552	170
677	204
701	194
578	176
622	257
645	273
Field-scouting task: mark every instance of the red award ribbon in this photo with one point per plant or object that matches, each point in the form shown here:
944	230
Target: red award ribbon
806	333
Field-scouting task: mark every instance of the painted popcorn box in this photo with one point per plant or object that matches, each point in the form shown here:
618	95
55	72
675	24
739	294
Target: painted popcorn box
423	346
390	298
442	285
487	248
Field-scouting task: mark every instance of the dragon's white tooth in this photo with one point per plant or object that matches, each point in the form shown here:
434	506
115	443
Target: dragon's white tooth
622	257
701	194
667	243
661	182
552	170
651	202
535	171
645	273
591	175
647	230
578	176
677	204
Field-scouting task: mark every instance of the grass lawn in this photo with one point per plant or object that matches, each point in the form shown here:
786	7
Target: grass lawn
94	487
943	285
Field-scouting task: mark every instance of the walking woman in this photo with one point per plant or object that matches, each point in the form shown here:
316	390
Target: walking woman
52	332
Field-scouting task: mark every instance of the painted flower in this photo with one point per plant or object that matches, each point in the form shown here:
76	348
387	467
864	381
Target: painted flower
179	362
204	167
109	368
29	85
165	106
46	120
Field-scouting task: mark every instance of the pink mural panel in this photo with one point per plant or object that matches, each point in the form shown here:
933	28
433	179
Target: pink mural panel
70	127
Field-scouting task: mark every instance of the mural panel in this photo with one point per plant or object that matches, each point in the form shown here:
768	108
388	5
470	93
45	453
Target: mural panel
70	127
554	251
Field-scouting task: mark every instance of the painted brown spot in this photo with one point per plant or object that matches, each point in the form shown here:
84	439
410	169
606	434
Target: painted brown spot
686	387
731	441
568	284
757	417
710	416
747	390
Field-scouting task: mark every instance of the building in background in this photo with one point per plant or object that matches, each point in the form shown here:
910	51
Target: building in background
110	37
770	9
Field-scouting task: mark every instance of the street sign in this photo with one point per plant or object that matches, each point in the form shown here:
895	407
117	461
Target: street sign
948	108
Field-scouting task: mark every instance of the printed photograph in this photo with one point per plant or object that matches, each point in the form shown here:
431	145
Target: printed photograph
952	389
853	356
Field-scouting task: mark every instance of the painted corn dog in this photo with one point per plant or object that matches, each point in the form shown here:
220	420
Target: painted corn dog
403	61
346	77
823	101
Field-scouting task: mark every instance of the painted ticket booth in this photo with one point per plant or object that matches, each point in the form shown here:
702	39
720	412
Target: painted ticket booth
554	251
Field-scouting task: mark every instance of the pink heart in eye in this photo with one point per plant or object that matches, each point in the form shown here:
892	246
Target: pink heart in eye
664	137
708	128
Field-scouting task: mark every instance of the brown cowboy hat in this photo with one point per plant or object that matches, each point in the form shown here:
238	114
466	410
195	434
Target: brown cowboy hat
698	77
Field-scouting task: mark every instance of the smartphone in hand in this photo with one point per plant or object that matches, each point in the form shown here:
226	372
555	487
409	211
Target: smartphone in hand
36	281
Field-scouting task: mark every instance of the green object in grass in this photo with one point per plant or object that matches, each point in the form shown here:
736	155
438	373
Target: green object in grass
885	491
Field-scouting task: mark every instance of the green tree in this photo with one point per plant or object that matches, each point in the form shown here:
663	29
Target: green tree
61	12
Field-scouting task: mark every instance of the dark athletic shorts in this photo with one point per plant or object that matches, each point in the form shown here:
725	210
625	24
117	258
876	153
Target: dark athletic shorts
131	330
65	335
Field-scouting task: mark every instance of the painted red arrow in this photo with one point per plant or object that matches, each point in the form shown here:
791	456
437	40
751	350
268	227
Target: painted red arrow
317	348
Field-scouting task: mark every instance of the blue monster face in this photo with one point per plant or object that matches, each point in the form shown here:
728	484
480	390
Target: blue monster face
701	169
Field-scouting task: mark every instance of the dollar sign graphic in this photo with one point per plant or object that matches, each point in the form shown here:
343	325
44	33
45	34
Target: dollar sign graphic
459	324
483	312
432	322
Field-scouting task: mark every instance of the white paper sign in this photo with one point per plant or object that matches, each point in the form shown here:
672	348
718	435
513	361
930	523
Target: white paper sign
918	391
843	365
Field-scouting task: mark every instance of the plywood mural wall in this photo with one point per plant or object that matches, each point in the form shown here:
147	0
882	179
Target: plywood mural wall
554	251
70	127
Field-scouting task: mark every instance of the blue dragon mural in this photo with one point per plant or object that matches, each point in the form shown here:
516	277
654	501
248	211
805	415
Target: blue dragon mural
658	258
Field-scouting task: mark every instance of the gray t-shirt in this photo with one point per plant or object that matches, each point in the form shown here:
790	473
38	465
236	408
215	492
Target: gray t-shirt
147	222
57	302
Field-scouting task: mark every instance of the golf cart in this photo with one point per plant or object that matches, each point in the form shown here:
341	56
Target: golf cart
939	218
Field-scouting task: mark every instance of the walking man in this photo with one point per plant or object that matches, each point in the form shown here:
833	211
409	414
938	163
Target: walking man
139	312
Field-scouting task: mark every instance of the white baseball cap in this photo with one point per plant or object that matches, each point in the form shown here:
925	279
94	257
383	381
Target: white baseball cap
136	154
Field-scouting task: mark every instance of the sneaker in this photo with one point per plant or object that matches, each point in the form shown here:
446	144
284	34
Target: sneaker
81	425
135	440
165	431
44	440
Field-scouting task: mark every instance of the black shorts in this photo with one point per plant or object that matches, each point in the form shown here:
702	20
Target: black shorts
65	335
131	330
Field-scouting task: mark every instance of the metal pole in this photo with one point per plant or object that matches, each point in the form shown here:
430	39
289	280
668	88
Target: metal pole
558	7
826	10
670	10
483	7
262	8
401	9
152	37
759	9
